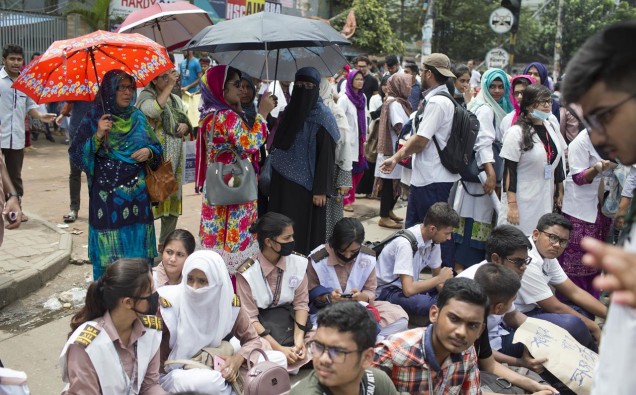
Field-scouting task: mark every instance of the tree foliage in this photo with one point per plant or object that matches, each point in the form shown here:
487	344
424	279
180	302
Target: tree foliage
95	13
373	33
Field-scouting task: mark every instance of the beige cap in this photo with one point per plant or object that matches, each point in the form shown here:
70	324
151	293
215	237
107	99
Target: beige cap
440	62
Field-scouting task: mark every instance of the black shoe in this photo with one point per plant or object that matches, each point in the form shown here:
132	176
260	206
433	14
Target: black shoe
49	137
34	136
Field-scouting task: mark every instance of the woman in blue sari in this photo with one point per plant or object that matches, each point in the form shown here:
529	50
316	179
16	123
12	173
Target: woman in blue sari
113	144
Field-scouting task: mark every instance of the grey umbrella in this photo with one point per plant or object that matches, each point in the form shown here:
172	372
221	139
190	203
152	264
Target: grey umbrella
287	42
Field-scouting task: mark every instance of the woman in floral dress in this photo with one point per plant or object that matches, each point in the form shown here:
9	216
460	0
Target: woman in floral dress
225	229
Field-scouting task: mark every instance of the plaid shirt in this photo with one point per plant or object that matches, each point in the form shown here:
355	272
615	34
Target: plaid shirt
409	360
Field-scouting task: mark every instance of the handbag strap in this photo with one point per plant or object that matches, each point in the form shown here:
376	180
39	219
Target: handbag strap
187	363
251	364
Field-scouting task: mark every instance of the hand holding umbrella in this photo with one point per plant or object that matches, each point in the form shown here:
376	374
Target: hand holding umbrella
268	103
104	125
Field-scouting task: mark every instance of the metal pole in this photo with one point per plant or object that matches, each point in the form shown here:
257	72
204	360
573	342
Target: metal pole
558	48
427	29
511	57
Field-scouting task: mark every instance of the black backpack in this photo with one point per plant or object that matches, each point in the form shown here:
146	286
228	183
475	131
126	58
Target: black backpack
378	246
456	156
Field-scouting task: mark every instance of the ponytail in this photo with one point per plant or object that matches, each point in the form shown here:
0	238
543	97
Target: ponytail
124	278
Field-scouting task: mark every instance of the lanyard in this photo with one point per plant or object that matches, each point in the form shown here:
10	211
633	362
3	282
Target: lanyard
547	146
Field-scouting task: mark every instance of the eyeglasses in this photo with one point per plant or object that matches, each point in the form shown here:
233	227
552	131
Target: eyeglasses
554	239
123	88
518	93
305	84
164	77
336	354
520	262
547	102
236	83
596	120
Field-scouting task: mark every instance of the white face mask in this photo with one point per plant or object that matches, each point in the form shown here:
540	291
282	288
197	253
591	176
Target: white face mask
540	115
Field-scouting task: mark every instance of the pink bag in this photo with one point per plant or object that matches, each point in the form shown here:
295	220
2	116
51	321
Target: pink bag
265	378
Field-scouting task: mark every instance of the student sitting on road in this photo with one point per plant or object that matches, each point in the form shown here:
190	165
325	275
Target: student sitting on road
342	354
274	283
501	285
399	268
114	346
439	358
536	299
177	246
346	269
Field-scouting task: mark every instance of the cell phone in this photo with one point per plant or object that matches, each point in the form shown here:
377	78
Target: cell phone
218	363
349	296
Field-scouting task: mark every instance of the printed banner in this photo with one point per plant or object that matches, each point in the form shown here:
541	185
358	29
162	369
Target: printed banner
122	8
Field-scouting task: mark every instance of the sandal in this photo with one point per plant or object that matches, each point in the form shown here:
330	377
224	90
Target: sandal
24	218
70	217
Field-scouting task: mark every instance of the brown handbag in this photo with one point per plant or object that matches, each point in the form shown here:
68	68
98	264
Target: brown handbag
161	183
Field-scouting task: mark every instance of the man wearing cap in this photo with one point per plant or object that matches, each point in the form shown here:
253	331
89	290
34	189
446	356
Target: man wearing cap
601	78
430	181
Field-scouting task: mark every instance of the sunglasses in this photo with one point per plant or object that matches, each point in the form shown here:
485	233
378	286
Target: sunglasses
520	262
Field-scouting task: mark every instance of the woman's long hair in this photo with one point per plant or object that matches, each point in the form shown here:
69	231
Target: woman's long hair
531	95
124	278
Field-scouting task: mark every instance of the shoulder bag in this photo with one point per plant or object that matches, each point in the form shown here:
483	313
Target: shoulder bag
233	183
161	183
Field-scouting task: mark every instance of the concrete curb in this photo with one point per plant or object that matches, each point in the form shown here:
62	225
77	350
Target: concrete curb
43	270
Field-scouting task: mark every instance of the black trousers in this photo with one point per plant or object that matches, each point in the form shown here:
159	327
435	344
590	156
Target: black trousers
387	199
13	159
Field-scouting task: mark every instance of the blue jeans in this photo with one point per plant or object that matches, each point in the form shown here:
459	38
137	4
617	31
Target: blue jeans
420	200
418	305
571	323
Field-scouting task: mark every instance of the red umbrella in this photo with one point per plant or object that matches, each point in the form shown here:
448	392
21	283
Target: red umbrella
72	69
170	24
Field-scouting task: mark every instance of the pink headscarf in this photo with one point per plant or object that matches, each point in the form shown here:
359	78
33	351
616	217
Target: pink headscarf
513	99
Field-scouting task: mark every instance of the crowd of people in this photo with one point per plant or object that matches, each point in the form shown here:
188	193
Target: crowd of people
282	267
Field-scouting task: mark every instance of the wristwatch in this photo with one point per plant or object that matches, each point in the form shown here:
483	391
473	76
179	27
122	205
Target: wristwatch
9	195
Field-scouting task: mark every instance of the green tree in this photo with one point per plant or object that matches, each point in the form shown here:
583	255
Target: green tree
95	13
461	28
406	18
373	32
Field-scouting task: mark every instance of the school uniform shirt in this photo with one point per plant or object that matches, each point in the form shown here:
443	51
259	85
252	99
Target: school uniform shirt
409	359
14	106
84	379
397	258
437	121
270	273
494	321
374	382
536	280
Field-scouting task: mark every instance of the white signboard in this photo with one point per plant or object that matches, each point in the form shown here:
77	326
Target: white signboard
568	360
124	7
497	57
501	20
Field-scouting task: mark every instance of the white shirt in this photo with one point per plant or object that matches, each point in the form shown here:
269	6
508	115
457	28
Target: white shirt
351	113
475	78
630	183
397	258
437	121
397	115
580	201
14	106
536	280
494	321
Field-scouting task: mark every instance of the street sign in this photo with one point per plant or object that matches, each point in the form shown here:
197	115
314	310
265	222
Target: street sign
497	57
501	20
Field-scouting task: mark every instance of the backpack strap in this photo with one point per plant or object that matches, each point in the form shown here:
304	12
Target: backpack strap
455	104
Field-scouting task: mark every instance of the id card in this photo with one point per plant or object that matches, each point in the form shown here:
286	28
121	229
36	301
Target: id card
218	363
547	172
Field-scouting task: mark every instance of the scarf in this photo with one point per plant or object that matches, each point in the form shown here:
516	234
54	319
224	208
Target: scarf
172	114
513	99
359	101
300	105
249	108
204	314
543	72
500	107
398	90
130	132
212	100
343	153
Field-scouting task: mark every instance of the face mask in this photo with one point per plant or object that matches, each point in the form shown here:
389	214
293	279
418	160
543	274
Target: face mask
346	260
286	248
540	115
153	304
458	92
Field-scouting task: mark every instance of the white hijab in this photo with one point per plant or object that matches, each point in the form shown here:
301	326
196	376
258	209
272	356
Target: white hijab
343	153
204	314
